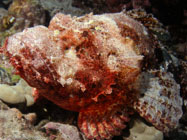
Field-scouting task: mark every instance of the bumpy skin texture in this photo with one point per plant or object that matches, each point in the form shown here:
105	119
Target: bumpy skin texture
161	103
88	64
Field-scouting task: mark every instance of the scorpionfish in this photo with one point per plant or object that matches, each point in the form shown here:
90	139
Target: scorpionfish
102	66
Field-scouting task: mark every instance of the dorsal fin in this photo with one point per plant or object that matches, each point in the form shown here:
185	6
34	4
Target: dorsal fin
150	22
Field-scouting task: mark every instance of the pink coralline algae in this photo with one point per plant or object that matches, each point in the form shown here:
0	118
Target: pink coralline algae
98	66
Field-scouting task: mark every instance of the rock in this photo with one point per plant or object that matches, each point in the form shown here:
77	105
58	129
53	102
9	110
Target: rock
64	131
181	50
141	131
19	93
64	6
7	1
180	134
7	72
7	76
4	76
3	12
3	106
14	126
31	118
98	6
183	78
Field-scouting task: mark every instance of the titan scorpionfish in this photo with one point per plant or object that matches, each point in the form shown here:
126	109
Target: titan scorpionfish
102	66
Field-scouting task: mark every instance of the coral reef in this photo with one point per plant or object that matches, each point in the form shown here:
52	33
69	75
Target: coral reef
15	125
95	65
3	12
4	77
21	14
6	1
7	75
18	93
63	6
30	10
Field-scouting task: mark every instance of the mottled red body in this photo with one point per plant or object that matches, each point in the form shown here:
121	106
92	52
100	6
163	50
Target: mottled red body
87	64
